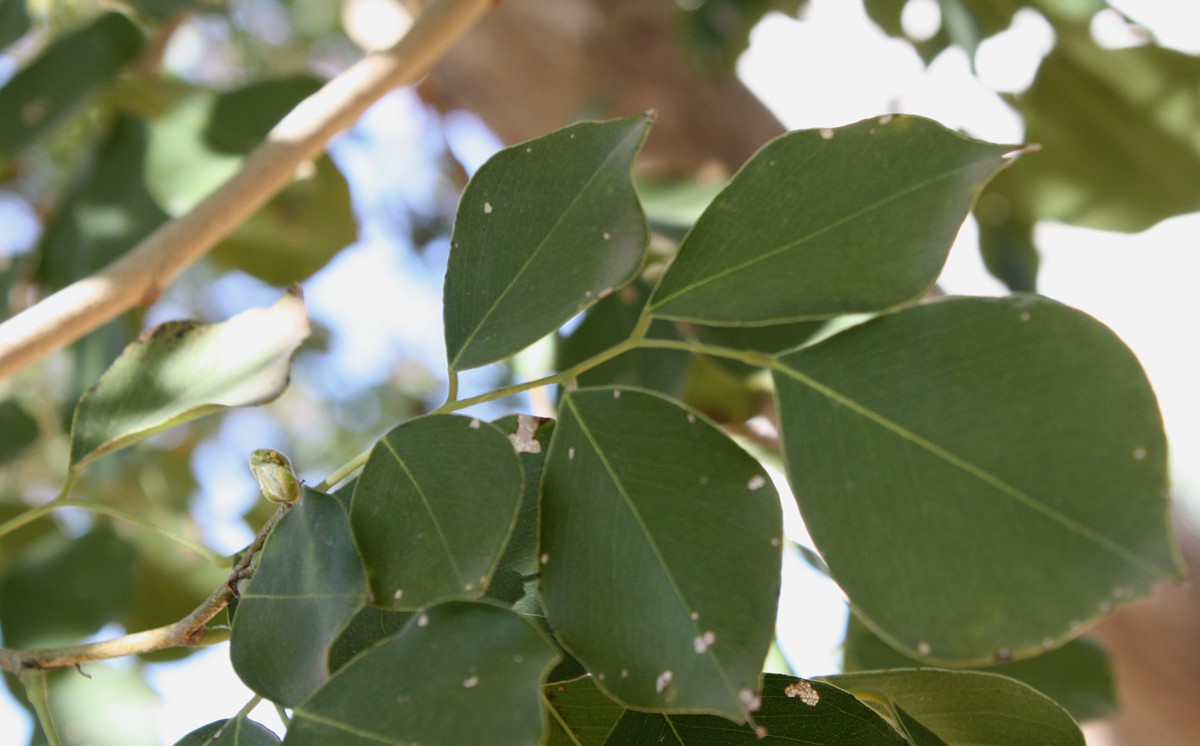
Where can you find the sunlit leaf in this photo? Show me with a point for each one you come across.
(792, 711)
(240, 731)
(982, 476)
(44, 93)
(308, 584)
(660, 552)
(1077, 676)
(182, 370)
(458, 673)
(826, 222)
(967, 707)
(544, 230)
(427, 526)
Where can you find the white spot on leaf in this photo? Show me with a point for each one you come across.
(571, 453)
(774, 541)
(756, 482)
(1139, 453)
(544, 559)
(423, 620)
(923, 648)
(607, 236)
(1025, 316)
(474, 424)
(703, 642)
(691, 417)
(524, 440)
(695, 616)
(487, 208)
(886, 118)
(826, 133)
(470, 681)
(804, 691)
(616, 393)
(399, 594)
(750, 699)
(663, 681)
(624, 673)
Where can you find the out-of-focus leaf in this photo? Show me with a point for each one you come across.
(242, 118)
(41, 95)
(239, 731)
(105, 213)
(108, 707)
(181, 169)
(427, 526)
(63, 590)
(544, 230)
(716, 32)
(297, 232)
(458, 673)
(308, 584)
(673, 207)
(182, 370)
(1077, 675)
(367, 627)
(660, 552)
(18, 430)
(938, 502)
(792, 711)
(1006, 243)
(967, 707)
(14, 21)
(826, 222)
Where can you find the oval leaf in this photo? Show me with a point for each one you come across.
(239, 731)
(49, 89)
(966, 707)
(827, 222)
(434, 508)
(544, 229)
(660, 552)
(793, 711)
(458, 673)
(182, 370)
(982, 476)
(308, 584)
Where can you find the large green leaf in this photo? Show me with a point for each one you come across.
(106, 211)
(982, 476)
(458, 673)
(182, 370)
(62, 590)
(44, 93)
(826, 222)
(239, 731)
(1077, 676)
(308, 584)
(660, 552)
(793, 711)
(966, 707)
(433, 509)
(367, 627)
(544, 229)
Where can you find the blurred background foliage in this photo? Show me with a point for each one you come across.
(116, 117)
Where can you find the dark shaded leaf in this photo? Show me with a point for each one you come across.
(239, 731)
(18, 430)
(242, 118)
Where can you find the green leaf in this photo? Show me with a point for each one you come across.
(109, 707)
(14, 21)
(44, 93)
(826, 222)
(18, 430)
(793, 711)
(458, 673)
(106, 212)
(308, 584)
(242, 118)
(63, 590)
(544, 230)
(182, 370)
(433, 509)
(646, 577)
(240, 731)
(181, 169)
(946, 456)
(967, 707)
(365, 628)
(1077, 676)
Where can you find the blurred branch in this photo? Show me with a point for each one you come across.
(187, 632)
(140, 275)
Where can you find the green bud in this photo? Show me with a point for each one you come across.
(275, 476)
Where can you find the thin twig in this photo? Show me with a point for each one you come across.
(140, 275)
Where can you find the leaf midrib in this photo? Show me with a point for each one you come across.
(428, 509)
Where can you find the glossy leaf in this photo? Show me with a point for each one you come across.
(63, 590)
(660, 552)
(308, 584)
(44, 93)
(240, 731)
(182, 370)
(544, 229)
(946, 455)
(458, 673)
(1077, 676)
(427, 527)
(826, 222)
(967, 707)
(106, 211)
(825, 715)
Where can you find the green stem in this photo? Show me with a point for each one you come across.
(749, 357)
(249, 707)
(34, 682)
(343, 471)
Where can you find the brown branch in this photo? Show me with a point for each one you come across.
(187, 632)
(141, 274)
